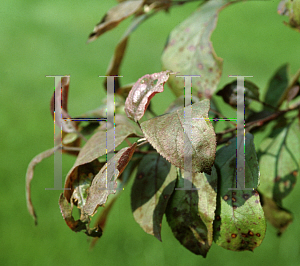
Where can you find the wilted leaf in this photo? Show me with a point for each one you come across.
(116, 61)
(100, 189)
(279, 162)
(151, 190)
(142, 92)
(95, 148)
(229, 93)
(76, 226)
(29, 175)
(279, 217)
(240, 222)
(166, 134)
(114, 16)
(190, 51)
(190, 213)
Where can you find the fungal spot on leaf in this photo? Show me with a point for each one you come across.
(228, 241)
(250, 233)
(233, 199)
(255, 193)
(233, 193)
(246, 196)
(225, 197)
(295, 173)
(244, 235)
(234, 207)
(257, 234)
(233, 235)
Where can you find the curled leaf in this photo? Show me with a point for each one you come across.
(190, 213)
(100, 188)
(151, 190)
(114, 16)
(29, 175)
(142, 92)
(190, 51)
(166, 134)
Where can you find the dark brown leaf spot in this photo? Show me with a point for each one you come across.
(225, 197)
(233, 199)
(233, 235)
(250, 233)
(246, 196)
(228, 240)
(244, 235)
(257, 234)
(234, 207)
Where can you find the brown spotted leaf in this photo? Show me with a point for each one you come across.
(29, 175)
(104, 182)
(190, 51)
(166, 134)
(114, 16)
(95, 148)
(240, 223)
(190, 213)
(142, 92)
(279, 162)
(151, 190)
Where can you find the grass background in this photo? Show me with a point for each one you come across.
(41, 38)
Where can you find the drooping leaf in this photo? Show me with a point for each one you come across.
(166, 134)
(151, 190)
(190, 213)
(279, 162)
(114, 16)
(95, 148)
(116, 61)
(190, 51)
(29, 175)
(279, 217)
(142, 92)
(277, 86)
(100, 188)
(229, 93)
(78, 225)
(240, 222)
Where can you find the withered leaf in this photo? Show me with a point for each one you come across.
(114, 16)
(29, 175)
(101, 185)
(142, 92)
(166, 134)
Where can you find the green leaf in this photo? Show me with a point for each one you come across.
(240, 222)
(190, 213)
(279, 162)
(229, 93)
(142, 92)
(166, 134)
(151, 190)
(190, 51)
(277, 86)
(100, 189)
(279, 217)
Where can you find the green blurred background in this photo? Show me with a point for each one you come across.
(41, 38)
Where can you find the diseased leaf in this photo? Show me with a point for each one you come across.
(190, 213)
(290, 8)
(279, 162)
(142, 92)
(151, 190)
(100, 188)
(166, 134)
(240, 222)
(95, 148)
(279, 217)
(114, 16)
(229, 93)
(29, 175)
(190, 51)
(116, 61)
(78, 225)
